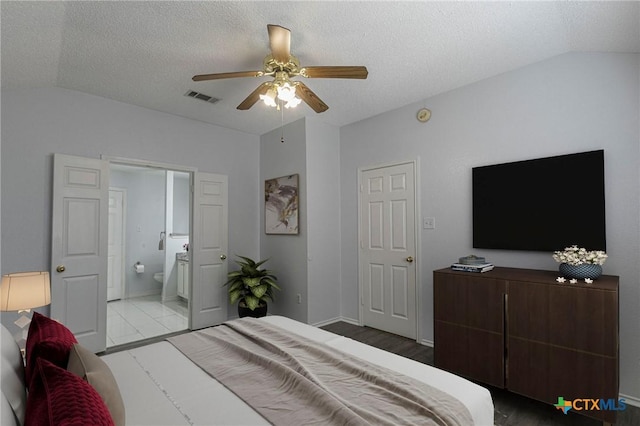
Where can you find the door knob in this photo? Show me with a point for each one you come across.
(223, 256)
(60, 268)
(410, 259)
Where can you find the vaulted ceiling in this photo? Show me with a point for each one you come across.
(145, 53)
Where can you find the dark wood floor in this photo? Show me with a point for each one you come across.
(510, 409)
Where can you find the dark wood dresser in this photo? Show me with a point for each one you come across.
(520, 330)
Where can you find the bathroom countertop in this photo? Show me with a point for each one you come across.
(184, 256)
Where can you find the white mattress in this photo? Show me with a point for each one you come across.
(160, 386)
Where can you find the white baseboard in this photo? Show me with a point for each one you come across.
(350, 320)
(630, 400)
(144, 294)
(425, 342)
(334, 320)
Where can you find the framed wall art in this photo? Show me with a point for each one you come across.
(281, 205)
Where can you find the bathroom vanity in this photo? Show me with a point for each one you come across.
(183, 274)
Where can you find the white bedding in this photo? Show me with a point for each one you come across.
(162, 387)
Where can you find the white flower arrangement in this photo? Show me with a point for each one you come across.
(578, 256)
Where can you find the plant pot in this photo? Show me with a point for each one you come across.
(259, 312)
(586, 270)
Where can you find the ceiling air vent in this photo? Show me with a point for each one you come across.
(202, 97)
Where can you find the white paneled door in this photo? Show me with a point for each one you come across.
(209, 257)
(80, 255)
(115, 274)
(79, 248)
(388, 248)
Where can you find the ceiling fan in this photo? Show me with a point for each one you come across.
(282, 65)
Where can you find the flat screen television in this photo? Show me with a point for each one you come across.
(545, 204)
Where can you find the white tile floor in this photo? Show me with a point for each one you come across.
(130, 320)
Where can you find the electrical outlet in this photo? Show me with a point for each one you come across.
(299, 298)
(429, 223)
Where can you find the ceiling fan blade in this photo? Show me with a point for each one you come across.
(204, 77)
(304, 93)
(279, 42)
(335, 72)
(254, 96)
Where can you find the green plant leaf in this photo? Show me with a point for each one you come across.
(271, 283)
(252, 302)
(251, 281)
(248, 261)
(259, 291)
(260, 263)
(234, 296)
(247, 271)
(237, 285)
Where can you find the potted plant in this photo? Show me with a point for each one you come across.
(580, 263)
(251, 287)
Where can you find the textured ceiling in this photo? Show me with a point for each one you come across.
(145, 53)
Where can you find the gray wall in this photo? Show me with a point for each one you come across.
(323, 220)
(38, 122)
(571, 103)
(181, 202)
(144, 220)
(308, 263)
(287, 253)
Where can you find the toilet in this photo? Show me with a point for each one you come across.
(159, 276)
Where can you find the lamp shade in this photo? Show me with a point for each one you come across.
(24, 290)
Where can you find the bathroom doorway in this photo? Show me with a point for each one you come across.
(148, 267)
(79, 225)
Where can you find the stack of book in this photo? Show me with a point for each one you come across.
(482, 267)
(472, 263)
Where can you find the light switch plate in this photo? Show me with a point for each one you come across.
(429, 223)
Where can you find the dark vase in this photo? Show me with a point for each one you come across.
(586, 270)
(259, 312)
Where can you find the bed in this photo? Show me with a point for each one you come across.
(159, 385)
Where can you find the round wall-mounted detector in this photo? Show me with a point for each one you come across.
(423, 115)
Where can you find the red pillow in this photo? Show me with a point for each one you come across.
(58, 397)
(48, 339)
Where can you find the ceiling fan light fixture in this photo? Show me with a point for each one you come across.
(286, 91)
(293, 102)
(269, 98)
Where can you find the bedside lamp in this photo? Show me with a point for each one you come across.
(23, 291)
